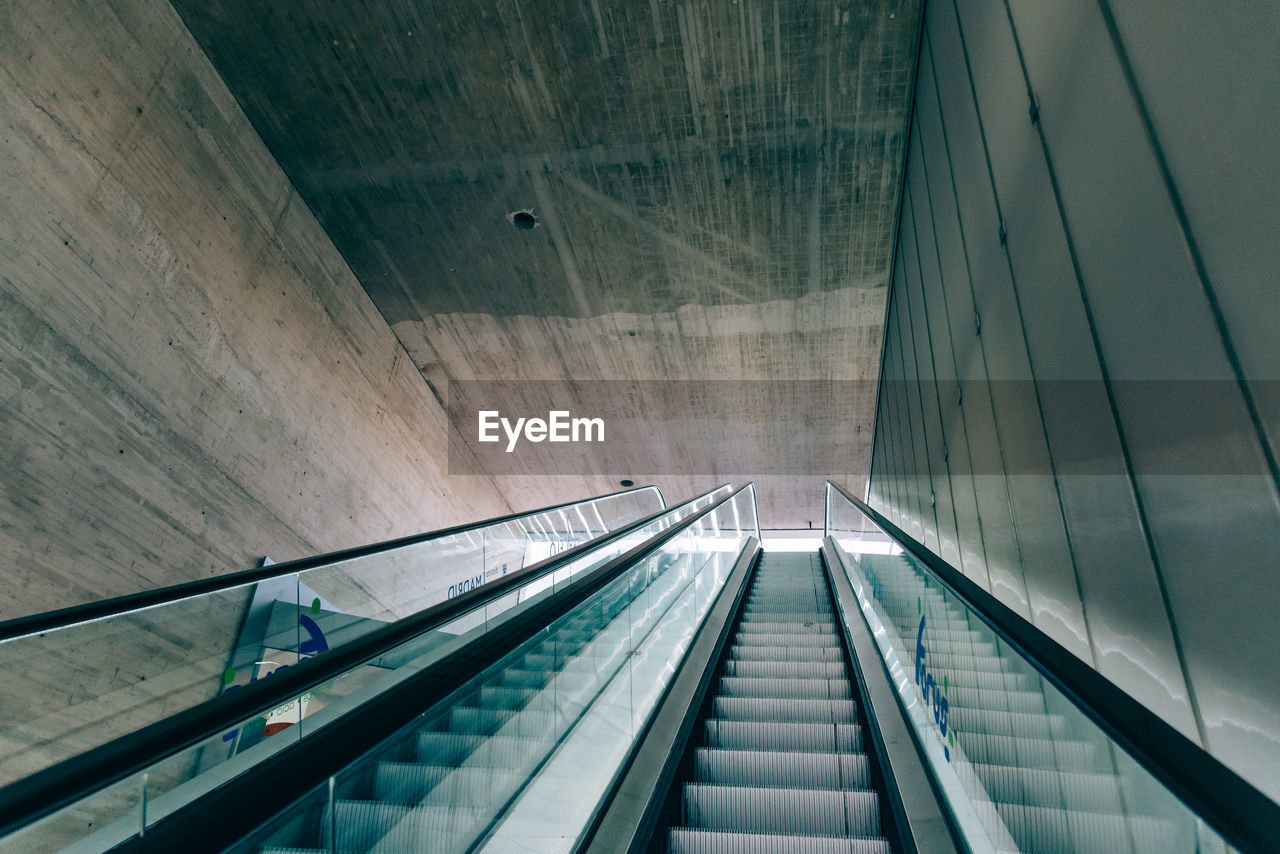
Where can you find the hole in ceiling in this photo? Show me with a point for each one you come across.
(627, 482)
(524, 220)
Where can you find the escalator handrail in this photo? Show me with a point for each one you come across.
(50, 789)
(629, 812)
(69, 616)
(1235, 809)
(301, 765)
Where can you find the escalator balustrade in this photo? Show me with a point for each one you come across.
(1052, 789)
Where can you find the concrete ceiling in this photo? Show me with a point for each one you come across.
(715, 185)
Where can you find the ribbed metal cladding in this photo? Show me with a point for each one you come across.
(779, 765)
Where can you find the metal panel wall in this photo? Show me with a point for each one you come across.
(1080, 411)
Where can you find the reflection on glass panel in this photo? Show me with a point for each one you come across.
(1020, 766)
(557, 714)
(315, 812)
(89, 682)
(107, 677)
(667, 597)
(327, 703)
(118, 807)
(291, 630)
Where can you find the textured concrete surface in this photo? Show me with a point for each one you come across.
(714, 184)
(190, 375)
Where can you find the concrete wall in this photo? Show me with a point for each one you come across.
(190, 375)
(1078, 403)
(715, 185)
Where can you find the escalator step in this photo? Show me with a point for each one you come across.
(541, 662)
(805, 588)
(1074, 790)
(773, 610)
(454, 748)
(447, 748)
(807, 639)
(786, 628)
(500, 697)
(990, 749)
(411, 783)
(816, 689)
(760, 768)
(767, 709)
(490, 721)
(947, 662)
(362, 825)
(785, 669)
(686, 841)
(988, 681)
(515, 678)
(811, 812)
(561, 684)
(948, 627)
(774, 735)
(960, 649)
(1017, 724)
(794, 653)
(1057, 831)
(786, 600)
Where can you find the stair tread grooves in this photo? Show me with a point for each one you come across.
(1089, 814)
(790, 736)
(780, 755)
(778, 687)
(1082, 832)
(771, 669)
(784, 709)
(799, 653)
(821, 812)
(799, 790)
(687, 840)
(780, 769)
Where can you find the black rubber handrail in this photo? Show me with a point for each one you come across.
(73, 779)
(223, 816)
(1245, 817)
(64, 617)
(627, 816)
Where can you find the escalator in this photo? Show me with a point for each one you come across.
(669, 687)
(450, 726)
(1028, 748)
(779, 764)
(487, 767)
(231, 672)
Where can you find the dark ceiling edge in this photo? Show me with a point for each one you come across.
(431, 389)
(893, 251)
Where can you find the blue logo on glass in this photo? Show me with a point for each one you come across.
(934, 694)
